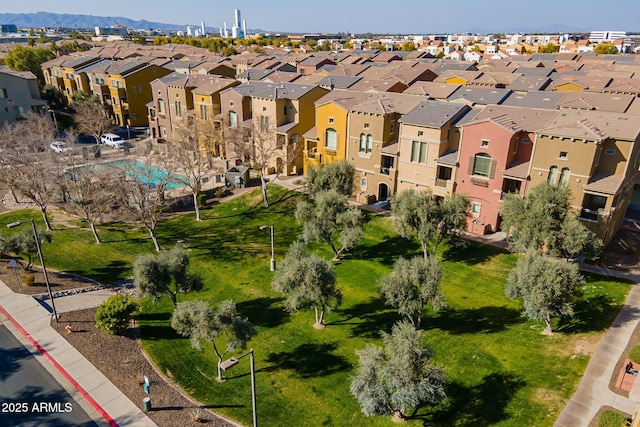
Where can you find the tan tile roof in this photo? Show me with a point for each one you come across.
(609, 184)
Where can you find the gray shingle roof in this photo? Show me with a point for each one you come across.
(434, 114)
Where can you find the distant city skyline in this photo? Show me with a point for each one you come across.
(376, 16)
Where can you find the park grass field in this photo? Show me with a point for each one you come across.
(502, 369)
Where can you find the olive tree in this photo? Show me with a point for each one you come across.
(164, 273)
(397, 377)
(412, 285)
(546, 287)
(307, 279)
(222, 327)
(421, 215)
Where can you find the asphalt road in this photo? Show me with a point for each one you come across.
(29, 395)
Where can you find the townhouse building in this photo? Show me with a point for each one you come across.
(327, 141)
(596, 154)
(428, 145)
(19, 94)
(177, 96)
(130, 90)
(272, 118)
(494, 159)
(373, 147)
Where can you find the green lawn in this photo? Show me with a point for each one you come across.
(503, 371)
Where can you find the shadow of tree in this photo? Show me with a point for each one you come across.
(264, 312)
(481, 405)
(9, 360)
(309, 360)
(487, 319)
(471, 252)
(388, 250)
(108, 273)
(593, 314)
(155, 326)
(367, 319)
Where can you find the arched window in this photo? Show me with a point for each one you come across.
(369, 143)
(553, 175)
(564, 177)
(331, 138)
(363, 184)
(363, 143)
(482, 165)
(161, 106)
(233, 119)
(179, 108)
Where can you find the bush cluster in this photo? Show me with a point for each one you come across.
(113, 315)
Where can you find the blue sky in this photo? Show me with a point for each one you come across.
(378, 16)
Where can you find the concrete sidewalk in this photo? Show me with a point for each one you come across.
(593, 391)
(32, 319)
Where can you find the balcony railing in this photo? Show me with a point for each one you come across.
(384, 171)
(589, 214)
(441, 182)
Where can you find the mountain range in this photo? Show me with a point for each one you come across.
(65, 20)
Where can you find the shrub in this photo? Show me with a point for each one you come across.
(634, 353)
(113, 315)
(220, 192)
(28, 279)
(202, 200)
(611, 418)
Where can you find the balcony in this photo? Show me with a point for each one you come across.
(590, 215)
(384, 171)
(441, 182)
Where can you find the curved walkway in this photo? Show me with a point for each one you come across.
(593, 391)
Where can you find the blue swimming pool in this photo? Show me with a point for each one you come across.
(142, 172)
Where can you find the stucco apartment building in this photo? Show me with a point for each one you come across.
(18, 95)
(273, 117)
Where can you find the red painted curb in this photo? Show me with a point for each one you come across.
(62, 371)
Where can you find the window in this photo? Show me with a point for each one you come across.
(418, 151)
(553, 175)
(19, 111)
(482, 165)
(393, 127)
(178, 108)
(264, 109)
(563, 155)
(115, 101)
(610, 152)
(475, 209)
(233, 119)
(135, 90)
(484, 143)
(366, 125)
(526, 141)
(420, 133)
(331, 139)
(203, 112)
(230, 103)
(264, 123)
(564, 177)
(160, 106)
(363, 184)
(363, 143)
(3, 93)
(369, 143)
(331, 120)
(134, 116)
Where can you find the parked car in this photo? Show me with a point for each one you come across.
(60, 147)
(112, 140)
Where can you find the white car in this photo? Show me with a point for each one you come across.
(112, 140)
(60, 147)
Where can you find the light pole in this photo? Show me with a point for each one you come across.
(272, 264)
(55, 121)
(44, 268)
(233, 361)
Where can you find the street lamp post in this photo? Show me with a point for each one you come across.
(233, 361)
(272, 264)
(44, 268)
(55, 121)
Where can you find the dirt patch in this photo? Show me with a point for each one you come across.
(550, 399)
(121, 360)
(584, 345)
(59, 281)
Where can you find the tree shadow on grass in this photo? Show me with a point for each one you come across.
(107, 274)
(387, 251)
(155, 326)
(593, 314)
(264, 312)
(483, 404)
(487, 319)
(309, 360)
(367, 319)
(471, 252)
